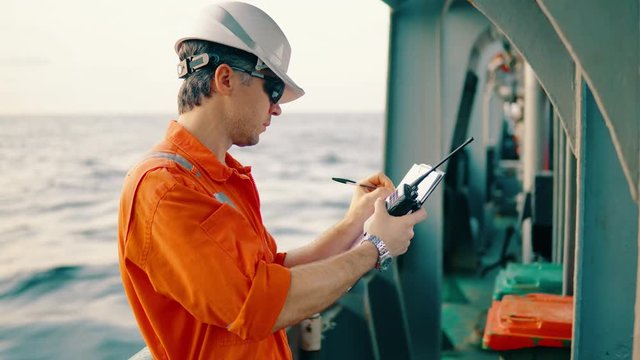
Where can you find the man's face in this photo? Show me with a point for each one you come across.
(253, 111)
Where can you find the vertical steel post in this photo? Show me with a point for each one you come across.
(534, 136)
(569, 228)
(559, 177)
(413, 134)
(606, 250)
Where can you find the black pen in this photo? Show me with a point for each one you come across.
(351, 182)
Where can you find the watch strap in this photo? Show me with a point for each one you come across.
(384, 258)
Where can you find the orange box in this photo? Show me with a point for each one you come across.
(527, 321)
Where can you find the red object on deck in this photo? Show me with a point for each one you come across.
(527, 321)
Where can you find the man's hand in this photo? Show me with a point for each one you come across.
(316, 285)
(395, 231)
(362, 200)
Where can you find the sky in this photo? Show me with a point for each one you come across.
(116, 57)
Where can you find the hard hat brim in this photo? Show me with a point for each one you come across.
(291, 91)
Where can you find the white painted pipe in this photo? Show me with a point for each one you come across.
(533, 148)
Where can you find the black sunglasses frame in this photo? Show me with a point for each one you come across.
(273, 85)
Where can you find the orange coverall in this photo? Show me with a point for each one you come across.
(201, 272)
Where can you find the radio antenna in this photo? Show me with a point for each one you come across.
(424, 176)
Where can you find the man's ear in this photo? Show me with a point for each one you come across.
(221, 80)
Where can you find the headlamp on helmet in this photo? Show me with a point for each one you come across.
(195, 63)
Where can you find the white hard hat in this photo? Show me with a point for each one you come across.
(245, 27)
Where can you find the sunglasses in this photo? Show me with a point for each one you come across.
(273, 85)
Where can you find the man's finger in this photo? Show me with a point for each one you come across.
(381, 192)
(380, 205)
(417, 216)
(385, 181)
(379, 180)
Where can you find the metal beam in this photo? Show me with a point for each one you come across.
(603, 39)
(461, 27)
(394, 4)
(524, 24)
(569, 223)
(399, 4)
(533, 147)
(559, 176)
(636, 327)
(468, 44)
(535, 133)
(606, 256)
(414, 135)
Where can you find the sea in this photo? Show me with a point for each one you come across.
(61, 295)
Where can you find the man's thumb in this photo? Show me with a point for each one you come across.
(380, 205)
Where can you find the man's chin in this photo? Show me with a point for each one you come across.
(248, 142)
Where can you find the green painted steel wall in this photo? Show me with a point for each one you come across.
(603, 37)
(414, 135)
(606, 245)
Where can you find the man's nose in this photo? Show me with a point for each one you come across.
(275, 109)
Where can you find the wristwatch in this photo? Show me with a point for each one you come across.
(384, 257)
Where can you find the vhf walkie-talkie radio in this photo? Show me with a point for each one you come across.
(405, 198)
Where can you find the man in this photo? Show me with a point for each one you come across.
(201, 272)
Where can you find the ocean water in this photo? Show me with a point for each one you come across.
(60, 178)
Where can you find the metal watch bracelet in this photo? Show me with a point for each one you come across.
(384, 258)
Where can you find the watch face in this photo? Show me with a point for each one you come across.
(385, 263)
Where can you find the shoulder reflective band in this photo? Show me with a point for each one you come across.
(175, 157)
(224, 199)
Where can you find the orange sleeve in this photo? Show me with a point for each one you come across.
(257, 318)
(206, 256)
(279, 258)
